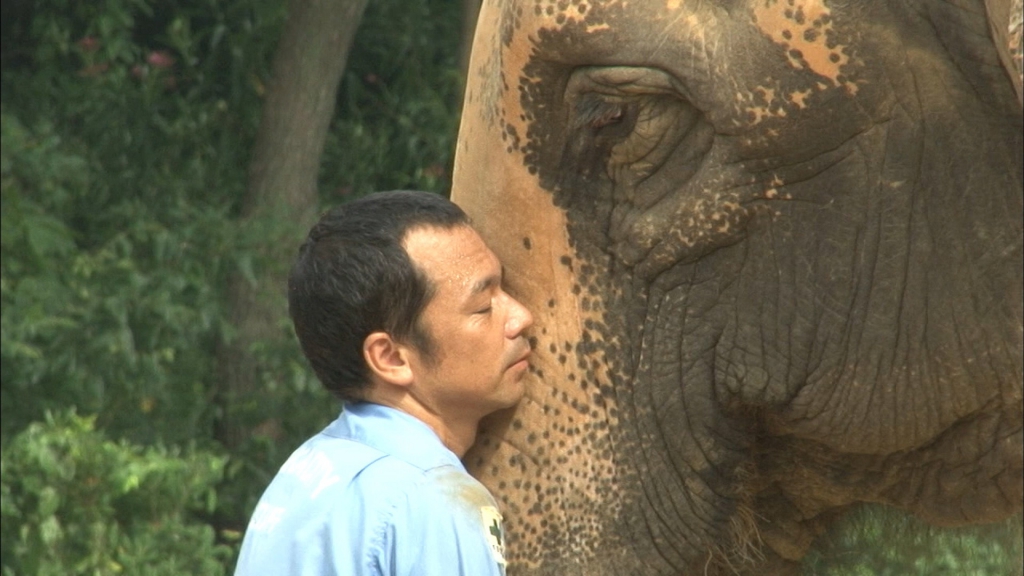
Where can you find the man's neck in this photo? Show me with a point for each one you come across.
(456, 434)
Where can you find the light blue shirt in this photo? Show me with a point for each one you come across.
(376, 493)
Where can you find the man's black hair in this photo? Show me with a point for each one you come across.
(353, 277)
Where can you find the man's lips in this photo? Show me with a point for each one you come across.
(522, 357)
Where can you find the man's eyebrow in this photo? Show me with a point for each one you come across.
(489, 282)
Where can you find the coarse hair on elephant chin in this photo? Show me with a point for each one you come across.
(744, 546)
(744, 543)
(745, 539)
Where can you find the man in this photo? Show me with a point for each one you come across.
(399, 307)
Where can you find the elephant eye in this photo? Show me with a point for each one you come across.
(625, 123)
(608, 120)
(600, 113)
(610, 115)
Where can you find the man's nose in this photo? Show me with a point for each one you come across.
(519, 318)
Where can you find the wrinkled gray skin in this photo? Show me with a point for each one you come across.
(773, 250)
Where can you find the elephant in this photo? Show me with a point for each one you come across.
(773, 250)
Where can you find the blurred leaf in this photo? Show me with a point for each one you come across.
(76, 503)
(878, 541)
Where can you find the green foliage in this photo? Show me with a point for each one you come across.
(127, 127)
(75, 503)
(125, 142)
(110, 321)
(126, 133)
(877, 541)
(398, 103)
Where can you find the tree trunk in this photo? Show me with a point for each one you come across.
(282, 186)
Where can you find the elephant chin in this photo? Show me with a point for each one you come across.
(773, 253)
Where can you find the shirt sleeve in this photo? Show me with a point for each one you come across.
(445, 525)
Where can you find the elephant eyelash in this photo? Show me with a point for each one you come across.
(606, 118)
(612, 115)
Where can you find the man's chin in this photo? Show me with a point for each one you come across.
(514, 391)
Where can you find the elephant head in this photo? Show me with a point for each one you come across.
(773, 250)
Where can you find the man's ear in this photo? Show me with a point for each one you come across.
(387, 359)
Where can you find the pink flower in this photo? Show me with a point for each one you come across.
(89, 44)
(434, 171)
(95, 69)
(160, 59)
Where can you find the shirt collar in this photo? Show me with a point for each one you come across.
(393, 432)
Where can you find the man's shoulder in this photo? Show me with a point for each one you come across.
(448, 507)
(325, 454)
(336, 482)
(456, 482)
(394, 432)
(358, 462)
(445, 492)
(369, 467)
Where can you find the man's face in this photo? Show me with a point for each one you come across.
(480, 351)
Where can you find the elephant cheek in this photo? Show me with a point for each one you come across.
(539, 458)
(549, 459)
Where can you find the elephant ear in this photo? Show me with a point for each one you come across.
(1004, 20)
